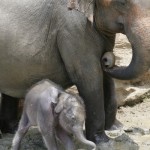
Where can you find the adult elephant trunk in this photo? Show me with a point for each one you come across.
(138, 34)
(81, 138)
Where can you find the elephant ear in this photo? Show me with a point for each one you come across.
(84, 6)
(61, 102)
(53, 95)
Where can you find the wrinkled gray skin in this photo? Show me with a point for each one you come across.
(132, 17)
(55, 113)
(43, 39)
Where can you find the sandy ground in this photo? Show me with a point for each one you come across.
(136, 121)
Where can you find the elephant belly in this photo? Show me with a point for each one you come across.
(17, 76)
(28, 50)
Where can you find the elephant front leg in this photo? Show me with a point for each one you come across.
(95, 114)
(89, 81)
(8, 114)
(65, 138)
(111, 122)
(46, 125)
(81, 60)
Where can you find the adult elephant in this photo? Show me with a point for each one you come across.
(42, 39)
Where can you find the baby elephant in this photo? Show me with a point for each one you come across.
(56, 113)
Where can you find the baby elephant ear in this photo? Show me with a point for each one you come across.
(54, 94)
(72, 4)
(60, 105)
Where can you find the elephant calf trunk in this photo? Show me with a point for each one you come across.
(81, 138)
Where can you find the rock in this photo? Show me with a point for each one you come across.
(122, 142)
(5, 142)
(128, 94)
(115, 133)
(137, 130)
(33, 141)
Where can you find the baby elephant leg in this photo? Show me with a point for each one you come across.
(46, 127)
(65, 139)
(49, 140)
(23, 128)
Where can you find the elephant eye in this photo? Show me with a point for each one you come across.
(73, 118)
(70, 114)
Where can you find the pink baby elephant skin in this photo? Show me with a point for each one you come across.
(55, 113)
(44, 39)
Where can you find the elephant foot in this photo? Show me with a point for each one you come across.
(101, 138)
(116, 126)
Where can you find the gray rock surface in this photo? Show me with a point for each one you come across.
(33, 141)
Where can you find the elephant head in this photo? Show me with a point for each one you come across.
(71, 111)
(130, 17)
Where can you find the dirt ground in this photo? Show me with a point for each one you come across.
(136, 121)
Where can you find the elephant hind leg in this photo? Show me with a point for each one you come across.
(46, 125)
(110, 102)
(111, 123)
(8, 114)
(22, 129)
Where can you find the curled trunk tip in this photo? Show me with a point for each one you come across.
(81, 138)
